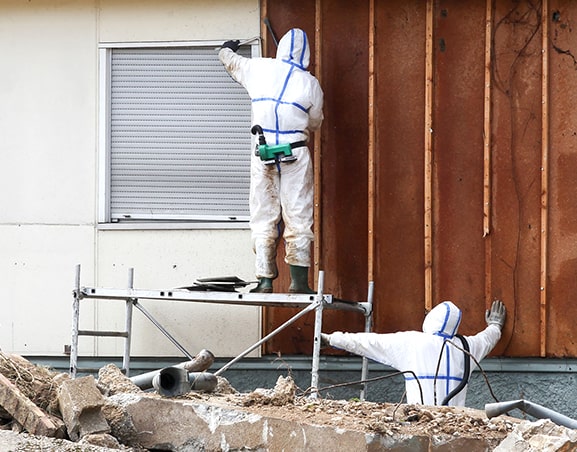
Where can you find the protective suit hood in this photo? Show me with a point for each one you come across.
(443, 320)
(294, 49)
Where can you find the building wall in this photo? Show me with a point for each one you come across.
(404, 60)
(445, 164)
(49, 90)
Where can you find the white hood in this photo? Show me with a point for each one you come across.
(294, 48)
(443, 320)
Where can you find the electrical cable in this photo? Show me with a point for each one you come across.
(368, 380)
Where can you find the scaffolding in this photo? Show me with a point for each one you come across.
(317, 302)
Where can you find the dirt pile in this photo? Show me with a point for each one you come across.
(383, 418)
(42, 386)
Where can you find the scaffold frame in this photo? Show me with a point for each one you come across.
(131, 296)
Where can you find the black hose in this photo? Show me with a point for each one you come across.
(261, 139)
(256, 129)
(466, 372)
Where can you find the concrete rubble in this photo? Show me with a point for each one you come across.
(542, 435)
(81, 406)
(32, 418)
(111, 413)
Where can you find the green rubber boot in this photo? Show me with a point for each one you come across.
(299, 280)
(264, 286)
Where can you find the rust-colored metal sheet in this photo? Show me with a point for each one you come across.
(458, 242)
(343, 165)
(562, 228)
(487, 145)
(298, 339)
(399, 165)
(516, 172)
(344, 161)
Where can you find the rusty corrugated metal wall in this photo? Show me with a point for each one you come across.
(446, 164)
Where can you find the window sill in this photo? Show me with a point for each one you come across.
(167, 225)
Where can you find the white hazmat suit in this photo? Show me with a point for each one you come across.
(419, 352)
(287, 103)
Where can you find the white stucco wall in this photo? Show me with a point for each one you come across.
(48, 208)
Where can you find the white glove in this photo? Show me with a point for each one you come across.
(497, 314)
(325, 340)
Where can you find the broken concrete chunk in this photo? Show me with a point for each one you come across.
(26, 413)
(120, 422)
(282, 394)
(542, 435)
(81, 407)
(37, 383)
(112, 381)
(100, 440)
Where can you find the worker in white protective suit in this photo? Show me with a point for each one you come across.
(429, 355)
(287, 104)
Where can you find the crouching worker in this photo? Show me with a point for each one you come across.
(430, 356)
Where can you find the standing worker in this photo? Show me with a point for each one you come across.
(287, 106)
(427, 354)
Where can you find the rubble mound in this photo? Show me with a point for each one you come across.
(39, 384)
(283, 394)
(381, 418)
(44, 395)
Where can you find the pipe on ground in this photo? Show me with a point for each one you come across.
(538, 411)
(174, 381)
(201, 362)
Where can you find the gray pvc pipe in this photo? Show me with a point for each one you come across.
(171, 381)
(202, 381)
(201, 362)
(538, 411)
(174, 381)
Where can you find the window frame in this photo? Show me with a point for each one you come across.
(104, 215)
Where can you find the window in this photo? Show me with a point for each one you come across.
(175, 135)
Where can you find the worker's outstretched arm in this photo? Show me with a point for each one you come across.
(387, 349)
(232, 61)
(482, 343)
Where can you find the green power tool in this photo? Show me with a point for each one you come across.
(270, 154)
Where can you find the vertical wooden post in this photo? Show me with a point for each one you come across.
(317, 152)
(544, 175)
(263, 30)
(371, 142)
(428, 226)
(487, 182)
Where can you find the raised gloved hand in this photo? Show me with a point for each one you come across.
(325, 340)
(232, 45)
(497, 314)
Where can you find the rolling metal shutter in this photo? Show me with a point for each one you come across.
(179, 136)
